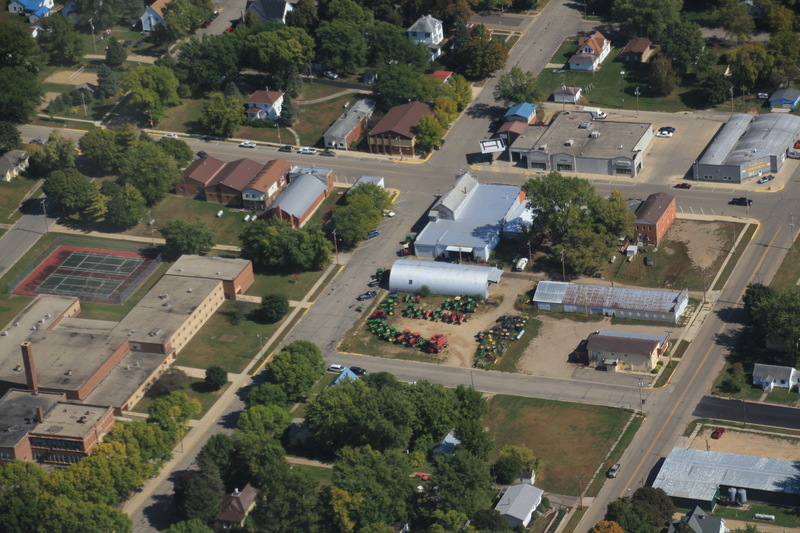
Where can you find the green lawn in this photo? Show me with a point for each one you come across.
(196, 389)
(312, 91)
(784, 516)
(60, 124)
(226, 344)
(226, 228)
(315, 119)
(508, 361)
(11, 195)
(293, 286)
(319, 474)
(743, 243)
(549, 428)
(789, 271)
(122, 34)
(183, 117)
(326, 208)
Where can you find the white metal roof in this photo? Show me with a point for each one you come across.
(519, 500)
(448, 279)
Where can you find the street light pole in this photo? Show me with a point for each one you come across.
(335, 246)
(622, 86)
(641, 401)
(636, 92)
(44, 210)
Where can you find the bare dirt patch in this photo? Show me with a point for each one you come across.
(747, 443)
(702, 240)
(71, 77)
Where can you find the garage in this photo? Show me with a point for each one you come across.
(447, 279)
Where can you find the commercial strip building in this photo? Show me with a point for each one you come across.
(447, 279)
(621, 302)
(747, 146)
(574, 142)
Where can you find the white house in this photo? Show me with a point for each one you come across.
(518, 503)
(265, 105)
(771, 376)
(269, 10)
(567, 95)
(12, 163)
(592, 50)
(429, 31)
(154, 14)
(34, 9)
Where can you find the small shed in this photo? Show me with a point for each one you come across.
(344, 375)
(567, 95)
(447, 445)
(523, 112)
(448, 279)
(518, 503)
(785, 98)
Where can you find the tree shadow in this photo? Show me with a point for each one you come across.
(481, 110)
(161, 513)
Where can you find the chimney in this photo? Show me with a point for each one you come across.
(39, 414)
(30, 368)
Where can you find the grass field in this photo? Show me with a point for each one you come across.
(743, 243)
(326, 208)
(293, 286)
(312, 91)
(183, 117)
(61, 124)
(11, 195)
(319, 474)
(315, 119)
(549, 428)
(196, 390)
(789, 271)
(224, 343)
(784, 517)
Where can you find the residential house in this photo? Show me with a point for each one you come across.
(370, 76)
(12, 163)
(344, 376)
(699, 522)
(33, 9)
(637, 50)
(236, 506)
(155, 14)
(429, 31)
(197, 176)
(308, 187)
(395, 133)
(592, 51)
(634, 351)
(269, 10)
(447, 445)
(227, 186)
(350, 126)
(654, 218)
(567, 95)
(264, 188)
(785, 98)
(518, 503)
(265, 105)
(443, 75)
(523, 112)
(770, 376)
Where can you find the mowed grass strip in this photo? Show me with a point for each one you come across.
(570, 439)
(315, 119)
(789, 271)
(11, 195)
(293, 286)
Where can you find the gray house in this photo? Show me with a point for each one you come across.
(350, 126)
(699, 522)
(770, 376)
(518, 503)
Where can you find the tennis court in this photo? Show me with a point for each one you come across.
(102, 276)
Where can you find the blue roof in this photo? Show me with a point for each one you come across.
(344, 375)
(523, 110)
(42, 11)
(448, 444)
(32, 5)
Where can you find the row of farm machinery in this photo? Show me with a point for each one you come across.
(493, 342)
(450, 311)
(381, 329)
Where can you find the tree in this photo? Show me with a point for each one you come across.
(257, 459)
(304, 15)
(115, 53)
(126, 206)
(513, 460)
(716, 88)
(189, 526)
(435, 408)
(358, 217)
(216, 377)
(489, 520)
(630, 518)
(342, 505)
(644, 18)
(663, 78)
(195, 499)
(265, 420)
(170, 412)
(446, 521)
(288, 505)
(516, 86)
(558, 200)
(465, 484)
(10, 138)
(149, 442)
(683, 43)
(483, 54)
(751, 65)
(296, 368)
(150, 170)
(275, 246)
(606, 526)
(172, 379)
(96, 206)
(341, 45)
(474, 438)
(780, 18)
(273, 308)
(396, 84)
(267, 394)
(69, 188)
(779, 319)
(462, 91)
(656, 504)
(429, 132)
(280, 51)
(60, 41)
(98, 13)
(180, 151)
(755, 296)
(131, 11)
(222, 115)
(18, 48)
(155, 87)
(460, 36)
(187, 238)
(20, 94)
(106, 82)
(445, 110)
(206, 65)
(736, 20)
(288, 112)
(389, 44)
(219, 450)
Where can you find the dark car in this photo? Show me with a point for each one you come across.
(207, 23)
(328, 153)
(139, 44)
(38, 141)
(613, 471)
(201, 154)
(683, 185)
(717, 433)
(366, 296)
(648, 261)
(286, 148)
(667, 128)
(765, 179)
(372, 234)
(358, 371)
(126, 44)
(741, 201)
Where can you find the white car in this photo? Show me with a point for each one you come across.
(389, 214)
(170, 136)
(793, 154)
(330, 74)
(307, 151)
(247, 144)
(664, 133)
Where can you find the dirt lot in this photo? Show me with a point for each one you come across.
(548, 353)
(703, 242)
(747, 443)
(63, 76)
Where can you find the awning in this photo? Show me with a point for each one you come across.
(462, 249)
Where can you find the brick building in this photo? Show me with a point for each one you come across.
(654, 217)
(395, 134)
(308, 187)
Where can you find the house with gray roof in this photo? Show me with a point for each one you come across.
(699, 522)
(12, 163)
(269, 10)
(770, 376)
(429, 31)
(632, 350)
(350, 126)
(308, 187)
(785, 98)
(518, 503)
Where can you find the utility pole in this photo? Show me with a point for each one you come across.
(335, 246)
(636, 92)
(641, 401)
(622, 86)
(563, 270)
(44, 210)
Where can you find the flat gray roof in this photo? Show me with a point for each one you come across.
(70, 420)
(125, 378)
(198, 266)
(745, 137)
(568, 127)
(86, 325)
(601, 296)
(697, 474)
(18, 413)
(348, 120)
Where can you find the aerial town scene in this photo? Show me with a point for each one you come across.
(395, 266)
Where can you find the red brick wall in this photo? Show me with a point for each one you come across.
(103, 371)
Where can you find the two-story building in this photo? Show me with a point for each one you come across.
(33, 9)
(265, 187)
(653, 218)
(265, 105)
(430, 32)
(154, 14)
(396, 134)
(592, 51)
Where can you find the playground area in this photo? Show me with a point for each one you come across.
(101, 276)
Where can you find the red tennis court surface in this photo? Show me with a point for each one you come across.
(101, 276)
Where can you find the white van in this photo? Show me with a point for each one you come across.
(336, 368)
(521, 264)
(596, 112)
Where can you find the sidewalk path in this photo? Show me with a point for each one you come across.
(332, 96)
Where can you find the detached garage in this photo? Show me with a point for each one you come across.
(448, 279)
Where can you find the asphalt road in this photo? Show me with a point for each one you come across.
(747, 412)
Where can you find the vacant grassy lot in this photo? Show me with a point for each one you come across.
(549, 428)
(224, 342)
(293, 286)
(789, 271)
(784, 516)
(315, 119)
(11, 195)
(226, 228)
(196, 389)
(312, 91)
(183, 117)
(319, 474)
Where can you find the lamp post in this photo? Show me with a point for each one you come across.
(262, 339)
(150, 116)
(731, 99)
(703, 274)
(641, 401)
(636, 92)
(44, 210)
(622, 86)
(94, 41)
(747, 203)
(335, 246)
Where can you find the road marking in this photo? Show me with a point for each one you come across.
(694, 376)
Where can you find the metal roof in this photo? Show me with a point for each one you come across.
(426, 24)
(745, 137)
(348, 120)
(660, 337)
(774, 371)
(449, 279)
(519, 500)
(790, 94)
(609, 297)
(698, 474)
(301, 193)
(456, 197)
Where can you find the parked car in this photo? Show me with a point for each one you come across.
(373, 233)
(336, 368)
(389, 214)
(667, 128)
(38, 141)
(126, 44)
(286, 148)
(170, 136)
(330, 74)
(366, 296)
(741, 201)
(797, 144)
(201, 154)
(328, 153)
(793, 154)
(247, 144)
(215, 15)
(307, 151)
(683, 185)
(613, 471)
(717, 433)
(358, 371)
(648, 261)
(521, 264)
(664, 133)
(765, 179)
(207, 23)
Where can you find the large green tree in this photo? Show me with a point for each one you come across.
(277, 50)
(644, 18)
(465, 484)
(736, 20)
(20, 94)
(222, 115)
(60, 40)
(126, 205)
(178, 149)
(483, 55)
(154, 87)
(266, 420)
(356, 219)
(106, 82)
(206, 65)
(287, 505)
(512, 460)
(69, 188)
(341, 45)
(558, 201)
(150, 170)
(429, 132)
(273, 308)
(296, 368)
(187, 237)
(389, 44)
(189, 526)
(10, 138)
(115, 53)
(275, 246)
(778, 318)
(663, 78)
(516, 86)
(18, 48)
(396, 84)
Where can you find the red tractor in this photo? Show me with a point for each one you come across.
(437, 343)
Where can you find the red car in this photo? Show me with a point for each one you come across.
(683, 185)
(797, 144)
(207, 23)
(717, 433)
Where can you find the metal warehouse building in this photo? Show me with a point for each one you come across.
(699, 477)
(639, 304)
(448, 279)
(747, 147)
